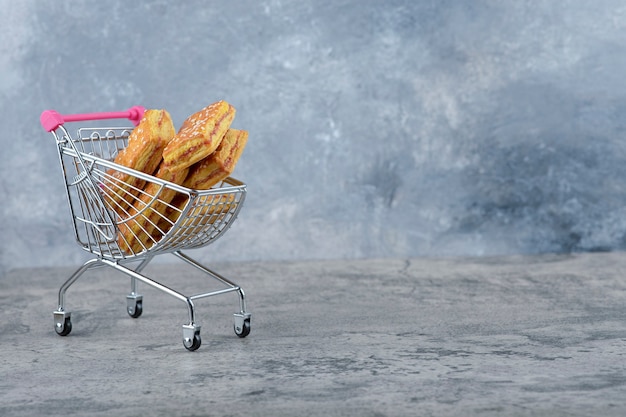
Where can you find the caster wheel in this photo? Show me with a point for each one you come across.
(135, 310)
(65, 329)
(194, 343)
(244, 329)
(134, 305)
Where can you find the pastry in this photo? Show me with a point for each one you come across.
(143, 153)
(150, 208)
(199, 136)
(209, 209)
(205, 210)
(220, 164)
(202, 176)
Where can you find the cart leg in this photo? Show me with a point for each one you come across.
(71, 280)
(134, 300)
(191, 331)
(242, 318)
(62, 318)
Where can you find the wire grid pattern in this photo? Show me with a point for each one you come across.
(137, 223)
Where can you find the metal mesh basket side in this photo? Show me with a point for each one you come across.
(205, 218)
(120, 213)
(104, 143)
(93, 223)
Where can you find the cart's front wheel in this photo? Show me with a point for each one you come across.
(134, 305)
(65, 329)
(193, 343)
(135, 310)
(244, 329)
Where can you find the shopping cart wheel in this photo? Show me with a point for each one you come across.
(62, 323)
(191, 337)
(242, 324)
(134, 305)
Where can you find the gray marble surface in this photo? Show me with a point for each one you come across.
(492, 336)
(396, 128)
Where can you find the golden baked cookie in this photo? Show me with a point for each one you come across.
(220, 164)
(137, 231)
(199, 136)
(205, 210)
(143, 153)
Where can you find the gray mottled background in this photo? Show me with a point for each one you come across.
(377, 128)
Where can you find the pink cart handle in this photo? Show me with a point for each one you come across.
(51, 120)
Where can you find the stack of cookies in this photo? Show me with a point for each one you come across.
(202, 154)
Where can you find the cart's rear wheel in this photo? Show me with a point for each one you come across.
(65, 329)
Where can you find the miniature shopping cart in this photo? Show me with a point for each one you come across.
(198, 217)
